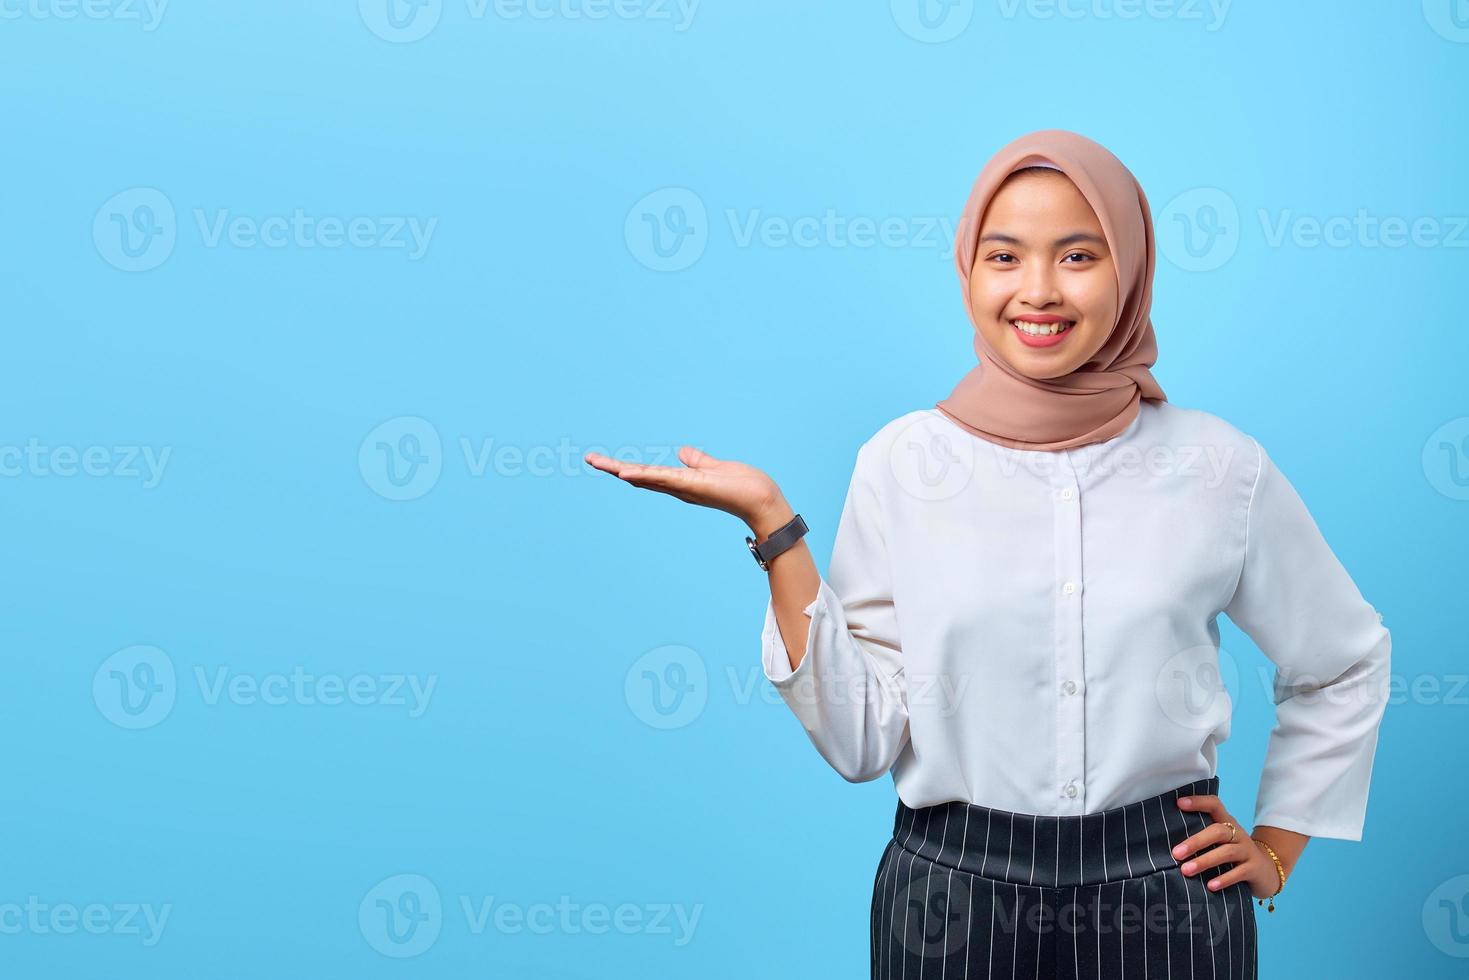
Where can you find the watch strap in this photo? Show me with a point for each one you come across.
(780, 540)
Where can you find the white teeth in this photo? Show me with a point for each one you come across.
(1041, 329)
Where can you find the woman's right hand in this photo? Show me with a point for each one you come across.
(724, 484)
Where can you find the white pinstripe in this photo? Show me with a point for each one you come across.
(1010, 850)
(1034, 823)
(970, 917)
(990, 966)
(1188, 897)
(1099, 932)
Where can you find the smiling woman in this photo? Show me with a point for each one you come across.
(1024, 586)
(1046, 297)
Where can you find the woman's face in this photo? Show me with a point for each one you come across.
(1043, 259)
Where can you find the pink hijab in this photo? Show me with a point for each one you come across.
(1101, 397)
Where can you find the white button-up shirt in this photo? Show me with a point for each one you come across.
(1036, 630)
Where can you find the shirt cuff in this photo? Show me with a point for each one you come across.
(774, 655)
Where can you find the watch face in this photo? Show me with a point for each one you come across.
(750, 542)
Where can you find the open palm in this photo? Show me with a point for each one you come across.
(724, 484)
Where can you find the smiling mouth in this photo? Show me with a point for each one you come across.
(1042, 329)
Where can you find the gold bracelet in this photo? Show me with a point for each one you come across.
(1278, 870)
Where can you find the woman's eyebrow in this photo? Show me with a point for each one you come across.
(1071, 239)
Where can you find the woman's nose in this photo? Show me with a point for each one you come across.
(1039, 286)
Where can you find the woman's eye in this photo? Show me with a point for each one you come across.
(1078, 255)
(1003, 255)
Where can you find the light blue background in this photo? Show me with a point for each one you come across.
(541, 316)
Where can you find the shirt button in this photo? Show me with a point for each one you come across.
(1067, 494)
(1071, 790)
(1069, 687)
(1069, 588)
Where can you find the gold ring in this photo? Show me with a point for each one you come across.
(1232, 831)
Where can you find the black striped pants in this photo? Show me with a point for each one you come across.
(966, 891)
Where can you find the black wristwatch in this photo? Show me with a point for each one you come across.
(780, 540)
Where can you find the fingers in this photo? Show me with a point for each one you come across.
(1238, 856)
(604, 463)
(667, 478)
(1215, 856)
(1206, 840)
(692, 456)
(1203, 803)
(642, 474)
(1211, 807)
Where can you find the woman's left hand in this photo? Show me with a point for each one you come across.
(1211, 847)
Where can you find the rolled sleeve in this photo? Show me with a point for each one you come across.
(848, 691)
(1332, 656)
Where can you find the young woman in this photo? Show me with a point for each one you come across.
(1020, 620)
